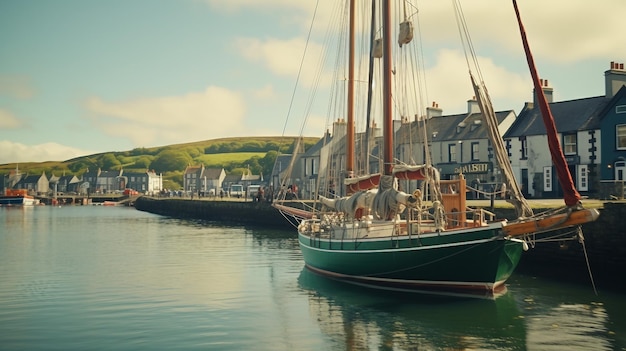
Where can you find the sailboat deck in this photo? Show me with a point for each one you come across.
(334, 226)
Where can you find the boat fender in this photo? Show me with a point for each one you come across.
(524, 243)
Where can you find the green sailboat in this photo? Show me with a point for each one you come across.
(426, 240)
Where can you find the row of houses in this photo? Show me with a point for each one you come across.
(92, 182)
(211, 181)
(592, 133)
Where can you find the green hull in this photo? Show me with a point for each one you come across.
(479, 259)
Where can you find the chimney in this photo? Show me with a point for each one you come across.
(472, 106)
(340, 127)
(433, 111)
(614, 79)
(548, 92)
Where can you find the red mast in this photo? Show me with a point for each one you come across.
(570, 194)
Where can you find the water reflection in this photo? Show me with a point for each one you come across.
(356, 319)
(541, 316)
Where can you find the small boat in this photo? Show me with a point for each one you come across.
(426, 239)
(17, 197)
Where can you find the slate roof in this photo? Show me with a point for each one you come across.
(30, 179)
(212, 173)
(315, 149)
(232, 178)
(569, 116)
(446, 126)
(283, 161)
(109, 174)
(193, 169)
(69, 179)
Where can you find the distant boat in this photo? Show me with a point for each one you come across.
(426, 239)
(17, 197)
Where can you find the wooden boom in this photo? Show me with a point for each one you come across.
(542, 224)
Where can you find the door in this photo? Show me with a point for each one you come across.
(525, 182)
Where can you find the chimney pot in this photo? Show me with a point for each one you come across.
(621, 66)
(612, 64)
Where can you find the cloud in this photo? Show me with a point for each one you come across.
(213, 113)
(283, 57)
(8, 120)
(11, 152)
(450, 84)
(268, 5)
(559, 31)
(265, 93)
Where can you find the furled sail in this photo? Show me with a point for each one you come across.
(570, 194)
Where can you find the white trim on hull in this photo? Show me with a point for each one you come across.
(448, 288)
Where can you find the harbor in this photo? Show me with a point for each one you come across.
(114, 278)
(604, 239)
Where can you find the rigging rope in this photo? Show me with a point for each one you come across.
(522, 207)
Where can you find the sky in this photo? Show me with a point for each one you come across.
(79, 77)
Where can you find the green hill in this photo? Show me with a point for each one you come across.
(233, 154)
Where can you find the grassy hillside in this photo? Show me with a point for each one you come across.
(233, 154)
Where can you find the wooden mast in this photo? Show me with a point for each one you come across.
(350, 112)
(387, 112)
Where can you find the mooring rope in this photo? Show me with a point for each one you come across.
(581, 239)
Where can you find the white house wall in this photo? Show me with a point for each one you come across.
(539, 155)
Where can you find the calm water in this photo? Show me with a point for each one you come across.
(112, 278)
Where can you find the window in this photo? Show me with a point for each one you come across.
(620, 131)
(620, 109)
(524, 149)
(569, 144)
(451, 152)
(547, 178)
(475, 152)
(583, 178)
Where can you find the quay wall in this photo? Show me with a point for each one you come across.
(604, 239)
(233, 212)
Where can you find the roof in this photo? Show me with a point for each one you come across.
(448, 128)
(213, 173)
(31, 179)
(315, 149)
(232, 178)
(68, 179)
(193, 169)
(281, 163)
(109, 174)
(569, 116)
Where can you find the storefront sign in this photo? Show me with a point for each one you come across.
(473, 168)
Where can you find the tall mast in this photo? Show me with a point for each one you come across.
(387, 116)
(350, 126)
(370, 80)
(570, 194)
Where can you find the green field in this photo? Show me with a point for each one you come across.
(217, 160)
